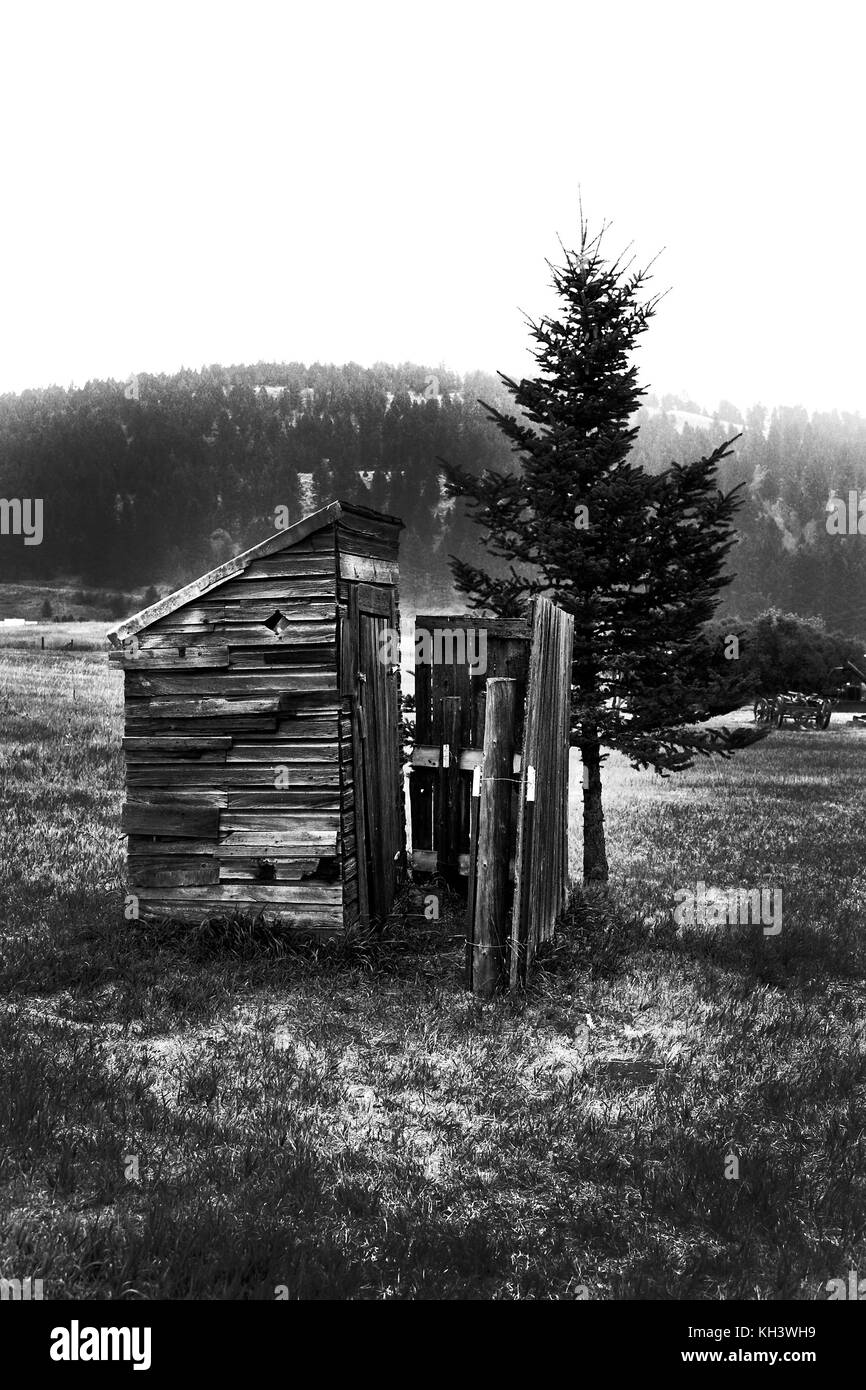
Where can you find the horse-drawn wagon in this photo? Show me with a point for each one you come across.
(812, 710)
(794, 707)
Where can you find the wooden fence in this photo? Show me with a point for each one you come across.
(489, 783)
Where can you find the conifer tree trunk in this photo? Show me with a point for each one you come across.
(595, 868)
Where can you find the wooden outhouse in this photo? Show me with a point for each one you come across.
(262, 736)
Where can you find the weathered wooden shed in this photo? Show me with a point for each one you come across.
(262, 731)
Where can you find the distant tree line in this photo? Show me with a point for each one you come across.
(162, 488)
(157, 490)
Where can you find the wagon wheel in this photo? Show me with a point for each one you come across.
(803, 718)
(761, 712)
(825, 714)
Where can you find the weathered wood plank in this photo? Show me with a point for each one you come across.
(280, 752)
(377, 548)
(362, 533)
(246, 726)
(179, 796)
(378, 602)
(541, 874)
(324, 919)
(307, 799)
(275, 682)
(312, 705)
(170, 775)
(208, 655)
(494, 825)
(202, 743)
(154, 846)
(154, 872)
(301, 713)
(307, 728)
(449, 789)
(292, 827)
(257, 590)
(309, 895)
(256, 636)
(205, 708)
(249, 616)
(367, 569)
(290, 565)
(175, 758)
(262, 656)
(278, 851)
(421, 786)
(161, 639)
(194, 822)
(207, 613)
(256, 608)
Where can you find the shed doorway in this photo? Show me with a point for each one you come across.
(376, 712)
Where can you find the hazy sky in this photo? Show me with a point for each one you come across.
(189, 183)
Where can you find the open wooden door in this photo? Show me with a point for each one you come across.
(541, 858)
(376, 730)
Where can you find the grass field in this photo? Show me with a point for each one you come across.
(348, 1123)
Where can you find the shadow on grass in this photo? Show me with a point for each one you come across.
(598, 935)
(156, 972)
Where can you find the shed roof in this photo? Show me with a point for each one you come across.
(282, 540)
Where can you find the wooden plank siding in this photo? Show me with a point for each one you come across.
(241, 703)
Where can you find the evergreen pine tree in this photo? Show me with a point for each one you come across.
(637, 558)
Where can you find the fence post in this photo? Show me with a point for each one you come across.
(490, 933)
(522, 876)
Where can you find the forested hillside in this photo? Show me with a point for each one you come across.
(156, 490)
(789, 464)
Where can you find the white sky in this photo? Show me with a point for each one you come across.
(189, 183)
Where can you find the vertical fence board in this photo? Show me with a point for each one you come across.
(449, 791)
(490, 934)
(541, 863)
(420, 781)
(474, 807)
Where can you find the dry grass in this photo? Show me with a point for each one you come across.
(346, 1122)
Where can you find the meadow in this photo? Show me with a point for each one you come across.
(221, 1113)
